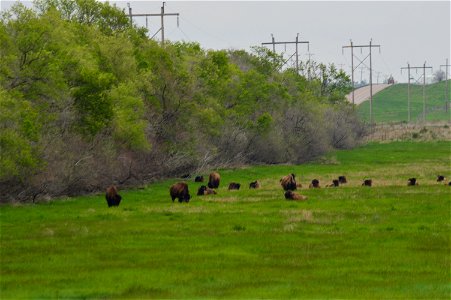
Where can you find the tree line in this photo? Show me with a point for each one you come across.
(87, 99)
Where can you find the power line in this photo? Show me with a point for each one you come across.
(162, 15)
(370, 46)
(297, 42)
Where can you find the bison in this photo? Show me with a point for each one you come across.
(112, 197)
(440, 178)
(290, 195)
(412, 182)
(254, 185)
(342, 179)
(234, 186)
(199, 179)
(335, 183)
(213, 181)
(203, 190)
(288, 182)
(180, 190)
(314, 184)
(367, 182)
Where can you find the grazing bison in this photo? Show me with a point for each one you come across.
(440, 178)
(335, 183)
(288, 182)
(342, 179)
(290, 195)
(254, 185)
(203, 190)
(180, 190)
(314, 184)
(112, 197)
(234, 186)
(199, 179)
(367, 182)
(213, 181)
(412, 182)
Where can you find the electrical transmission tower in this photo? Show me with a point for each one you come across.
(424, 89)
(162, 15)
(297, 42)
(370, 46)
(447, 86)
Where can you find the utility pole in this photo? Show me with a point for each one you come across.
(274, 43)
(371, 71)
(424, 88)
(408, 92)
(309, 65)
(447, 86)
(162, 15)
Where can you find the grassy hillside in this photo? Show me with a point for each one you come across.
(390, 105)
(388, 241)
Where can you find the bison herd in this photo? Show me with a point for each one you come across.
(180, 190)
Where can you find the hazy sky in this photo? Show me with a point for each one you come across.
(408, 31)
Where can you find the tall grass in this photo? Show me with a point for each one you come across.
(388, 241)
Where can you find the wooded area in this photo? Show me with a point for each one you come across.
(87, 100)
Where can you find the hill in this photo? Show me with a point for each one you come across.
(390, 105)
(387, 241)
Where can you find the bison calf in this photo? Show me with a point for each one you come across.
(112, 197)
(203, 190)
(288, 182)
(213, 181)
(290, 195)
(234, 186)
(199, 179)
(180, 190)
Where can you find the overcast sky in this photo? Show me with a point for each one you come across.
(408, 31)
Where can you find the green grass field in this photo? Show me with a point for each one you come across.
(390, 105)
(388, 241)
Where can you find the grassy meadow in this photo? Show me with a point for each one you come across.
(388, 241)
(390, 105)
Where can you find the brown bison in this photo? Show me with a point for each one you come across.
(412, 182)
(440, 178)
(290, 195)
(254, 185)
(367, 182)
(213, 181)
(288, 182)
(112, 197)
(342, 179)
(203, 190)
(234, 186)
(335, 183)
(180, 190)
(314, 184)
(199, 179)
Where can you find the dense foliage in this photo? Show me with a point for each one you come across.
(86, 99)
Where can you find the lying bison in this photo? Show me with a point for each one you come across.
(342, 179)
(290, 195)
(367, 182)
(440, 178)
(180, 190)
(203, 190)
(254, 185)
(213, 181)
(412, 182)
(335, 183)
(199, 179)
(288, 182)
(234, 186)
(112, 197)
(314, 184)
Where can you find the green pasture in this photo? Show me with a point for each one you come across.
(390, 105)
(388, 241)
